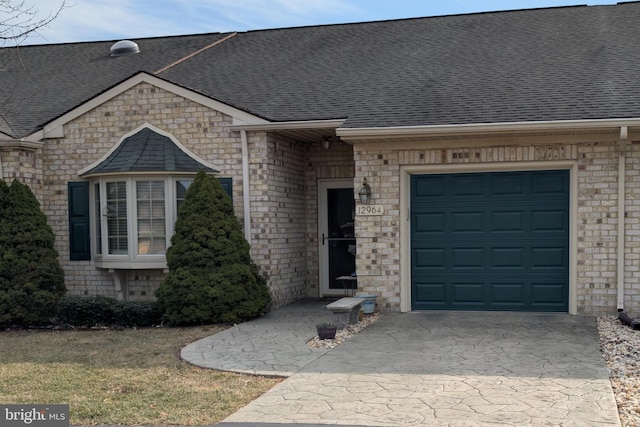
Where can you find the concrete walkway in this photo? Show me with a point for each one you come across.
(428, 368)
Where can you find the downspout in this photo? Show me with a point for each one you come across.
(624, 135)
(245, 186)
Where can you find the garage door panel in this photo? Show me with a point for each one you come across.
(431, 294)
(431, 187)
(549, 295)
(467, 185)
(510, 221)
(467, 222)
(467, 258)
(491, 241)
(468, 294)
(507, 258)
(430, 222)
(430, 259)
(550, 183)
(507, 184)
(544, 258)
(549, 220)
(508, 294)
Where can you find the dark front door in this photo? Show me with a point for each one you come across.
(337, 238)
(490, 241)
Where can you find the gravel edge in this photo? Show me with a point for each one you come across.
(620, 347)
(344, 334)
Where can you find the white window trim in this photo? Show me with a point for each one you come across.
(133, 259)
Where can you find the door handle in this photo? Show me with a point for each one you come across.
(322, 239)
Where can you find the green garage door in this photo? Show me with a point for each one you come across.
(490, 241)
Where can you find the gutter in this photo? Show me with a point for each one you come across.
(245, 186)
(20, 143)
(408, 131)
(292, 125)
(624, 138)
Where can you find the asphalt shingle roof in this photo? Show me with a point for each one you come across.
(531, 65)
(564, 63)
(39, 83)
(147, 151)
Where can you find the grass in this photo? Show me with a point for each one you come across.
(121, 377)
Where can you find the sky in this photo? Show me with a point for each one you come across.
(97, 20)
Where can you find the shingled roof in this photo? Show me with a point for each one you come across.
(39, 83)
(567, 63)
(147, 151)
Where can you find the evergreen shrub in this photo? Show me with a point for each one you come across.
(90, 311)
(105, 311)
(211, 278)
(139, 314)
(31, 279)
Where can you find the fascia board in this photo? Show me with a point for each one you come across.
(292, 125)
(20, 143)
(415, 131)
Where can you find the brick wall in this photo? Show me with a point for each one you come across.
(283, 181)
(284, 178)
(379, 240)
(203, 131)
(278, 214)
(378, 237)
(597, 222)
(23, 164)
(632, 231)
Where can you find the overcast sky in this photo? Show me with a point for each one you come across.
(91, 20)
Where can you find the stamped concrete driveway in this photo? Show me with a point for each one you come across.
(465, 369)
(448, 369)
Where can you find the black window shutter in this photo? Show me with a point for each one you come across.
(227, 186)
(79, 230)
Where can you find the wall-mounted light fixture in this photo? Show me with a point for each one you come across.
(365, 192)
(326, 142)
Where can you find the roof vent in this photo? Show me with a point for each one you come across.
(124, 48)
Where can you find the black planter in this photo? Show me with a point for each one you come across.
(326, 332)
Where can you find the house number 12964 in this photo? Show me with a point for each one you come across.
(370, 210)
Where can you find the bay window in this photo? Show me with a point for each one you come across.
(128, 201)
(134, 219)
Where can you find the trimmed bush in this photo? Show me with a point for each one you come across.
(211, 276)
(131, 314)
(104, 311)
(86, 311)
(31, 279)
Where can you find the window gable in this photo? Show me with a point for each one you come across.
(148, 149)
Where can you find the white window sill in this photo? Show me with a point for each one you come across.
(132, 265)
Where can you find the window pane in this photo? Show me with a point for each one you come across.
(144, 210)
(97, 217)
(181, 189)
(157, 190)
(117, 239)
(151, 217)
(157, 208)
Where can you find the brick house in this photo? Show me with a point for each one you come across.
(499, 150)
